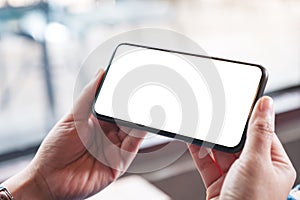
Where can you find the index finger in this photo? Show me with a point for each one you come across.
(205, 164)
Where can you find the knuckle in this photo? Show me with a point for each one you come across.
(263, 127)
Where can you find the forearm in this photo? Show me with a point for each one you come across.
(27, 185)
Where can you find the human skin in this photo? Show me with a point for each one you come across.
(261, 171)
(63, 168)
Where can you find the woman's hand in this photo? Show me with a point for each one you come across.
(64, 168)
(261, 171)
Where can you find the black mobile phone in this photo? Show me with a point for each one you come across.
(194, 98)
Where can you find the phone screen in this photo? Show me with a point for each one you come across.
(190, 97)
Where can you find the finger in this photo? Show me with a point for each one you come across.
(278, 152)
(125, 129)
(83, 105)
(206, 166)
(123, 133)
(120, 158)
(280, 158)
(224, 160)
(261, 129)
(108, 126)
(133, 140)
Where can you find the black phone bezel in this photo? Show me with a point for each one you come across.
(237, 148)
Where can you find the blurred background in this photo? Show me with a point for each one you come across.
(43, 43)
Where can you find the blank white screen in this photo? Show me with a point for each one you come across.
(240, 84)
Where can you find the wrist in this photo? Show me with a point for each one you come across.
(28, 185)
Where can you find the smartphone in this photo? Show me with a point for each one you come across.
(195, 98)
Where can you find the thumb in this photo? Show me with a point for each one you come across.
(83, 105)
(261, 129)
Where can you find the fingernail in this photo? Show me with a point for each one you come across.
(266, 105)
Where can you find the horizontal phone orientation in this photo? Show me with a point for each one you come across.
(198, 99)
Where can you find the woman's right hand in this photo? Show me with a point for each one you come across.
(261, 171)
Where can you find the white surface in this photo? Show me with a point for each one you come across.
(287, 102)
(240, 84)
(133, 188)
(262, 32)
(144, 98)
